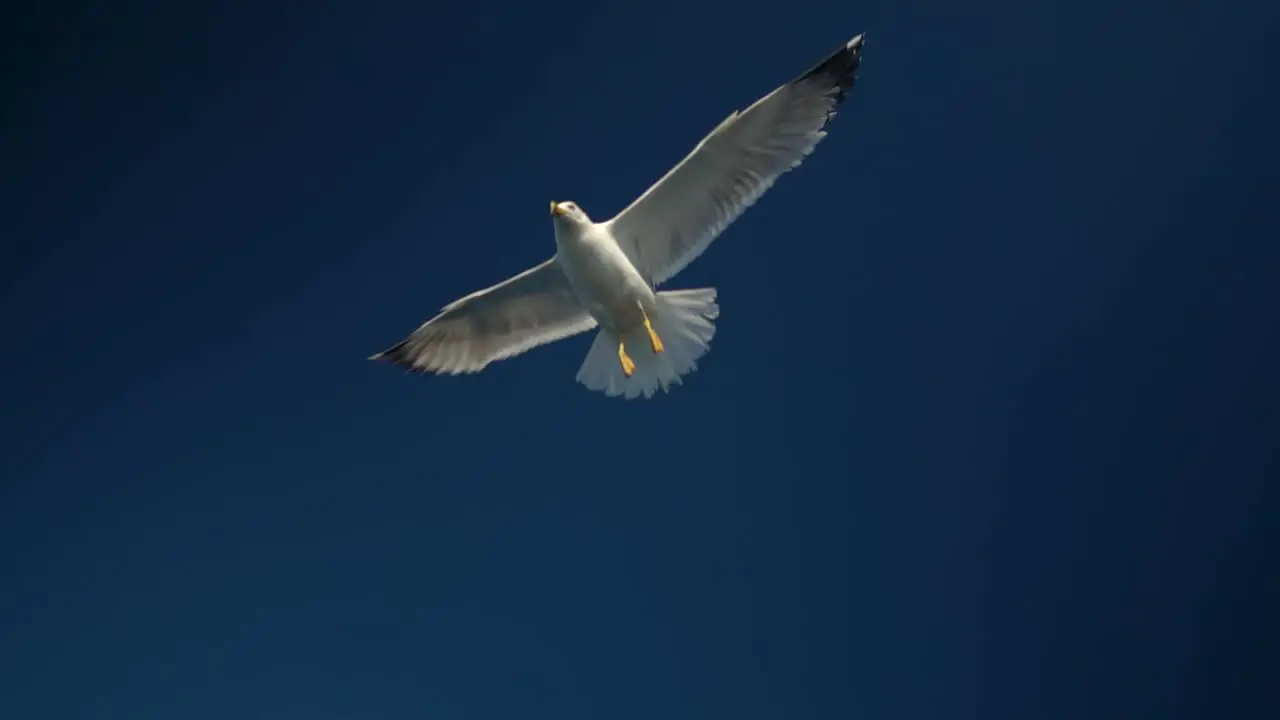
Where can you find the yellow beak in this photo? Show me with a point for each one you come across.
(556, 209)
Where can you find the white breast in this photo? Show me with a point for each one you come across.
(605, 281)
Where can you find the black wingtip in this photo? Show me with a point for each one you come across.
(397, 354)
(839, 69)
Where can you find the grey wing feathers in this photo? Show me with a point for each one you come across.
(675, 220)
(531, 309)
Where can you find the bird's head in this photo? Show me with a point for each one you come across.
(567, 211)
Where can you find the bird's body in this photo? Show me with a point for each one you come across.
(633, 318)
(603, 279)
(604, 275)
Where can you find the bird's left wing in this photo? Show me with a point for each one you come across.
(674, 221)
(531, 309)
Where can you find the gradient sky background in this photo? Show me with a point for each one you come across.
(982, 434)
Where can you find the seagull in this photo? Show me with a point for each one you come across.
(605, 274)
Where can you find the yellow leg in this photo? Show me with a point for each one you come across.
(654, 341)
(628, 365)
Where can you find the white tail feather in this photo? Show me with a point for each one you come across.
(683, 321)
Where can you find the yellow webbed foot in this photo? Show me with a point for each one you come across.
(654, 341)
(628, 365)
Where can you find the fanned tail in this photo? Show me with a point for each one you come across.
(683, 319)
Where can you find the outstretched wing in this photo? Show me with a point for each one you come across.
(674, 221)
(531, 309)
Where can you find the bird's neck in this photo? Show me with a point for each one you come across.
(570, 235)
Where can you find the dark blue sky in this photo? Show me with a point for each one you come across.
(983, 433)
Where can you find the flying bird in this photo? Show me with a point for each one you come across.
(605, 274)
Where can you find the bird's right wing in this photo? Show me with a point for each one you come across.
(531, 309)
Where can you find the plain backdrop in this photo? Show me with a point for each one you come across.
(988, 429)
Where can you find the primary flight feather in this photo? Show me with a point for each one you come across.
(604, 274)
